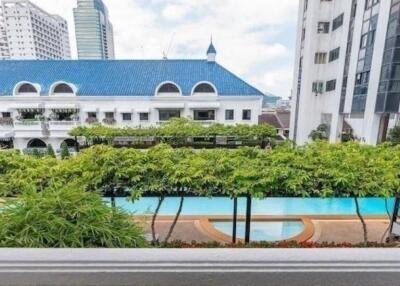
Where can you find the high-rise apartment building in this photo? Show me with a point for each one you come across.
(347, 70)
(4, 52)
(29, 32)
(94, 31)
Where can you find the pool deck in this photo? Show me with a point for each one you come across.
(336, 229)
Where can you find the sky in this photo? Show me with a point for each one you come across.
(255, 39)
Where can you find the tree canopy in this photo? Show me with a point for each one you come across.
(177, 127)
(316, 170)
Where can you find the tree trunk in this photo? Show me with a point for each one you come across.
(248, 220)
(171, 230)
(153, 220)
(364, 225)
(113, 205)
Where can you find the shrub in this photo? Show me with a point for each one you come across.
(65, 151)
(68, 218)
(394, 135)
(321, 133)
(50, 151)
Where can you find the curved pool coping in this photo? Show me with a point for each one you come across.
(205, 225)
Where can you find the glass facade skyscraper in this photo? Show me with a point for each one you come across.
(94, 31)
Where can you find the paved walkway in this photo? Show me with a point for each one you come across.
(337, 231)
(348, 230)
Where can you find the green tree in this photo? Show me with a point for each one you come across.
(50, 151)
(66, 218)
(65, 151)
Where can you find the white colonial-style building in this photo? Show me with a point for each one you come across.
(40, 101)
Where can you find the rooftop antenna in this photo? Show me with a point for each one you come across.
(165, 54)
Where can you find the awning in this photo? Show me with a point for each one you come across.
(27, 106)
(204, 105)
(59, 106)
(169, 105)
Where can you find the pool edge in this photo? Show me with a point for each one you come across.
(205, 225)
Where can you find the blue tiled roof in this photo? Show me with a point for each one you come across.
(211, 49)
(121, 78)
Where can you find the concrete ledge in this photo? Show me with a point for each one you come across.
(200, 267)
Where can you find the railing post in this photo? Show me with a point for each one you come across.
(394, 216)
(248, 219)
(234, 227)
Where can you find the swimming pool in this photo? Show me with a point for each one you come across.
(270, 206)
(264, 231)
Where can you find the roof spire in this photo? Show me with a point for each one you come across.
(211, 52)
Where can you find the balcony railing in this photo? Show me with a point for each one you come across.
(27, 123)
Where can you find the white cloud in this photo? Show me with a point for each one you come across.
(249, 35)
(175, 12)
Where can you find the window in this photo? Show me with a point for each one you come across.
(144, 116)
(165, 115)
(126, 116)
(337, 22)
(334, 54)
(370, 3)
(6, 114)
(318, 87)
(320, 58)
(229, 114)
(63, 88)
(246, 114)
(168, 88)
(109, 115)
(323, 27)
(204, 88)
(204, 115)
(27, 88)
(92, 115)
(331, 85)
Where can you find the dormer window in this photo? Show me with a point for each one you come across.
(168, 88)
(27, 88)
(204, 88)
(63, 88)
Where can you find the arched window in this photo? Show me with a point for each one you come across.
(27, 88)
(36, 143)
(168, 88)
(204, 88)
(63, 88)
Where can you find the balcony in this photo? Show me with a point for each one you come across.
(55, 125)
(6, 124)
(28, 125)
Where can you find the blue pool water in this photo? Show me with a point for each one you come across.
(264, 231)
(270, 206)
